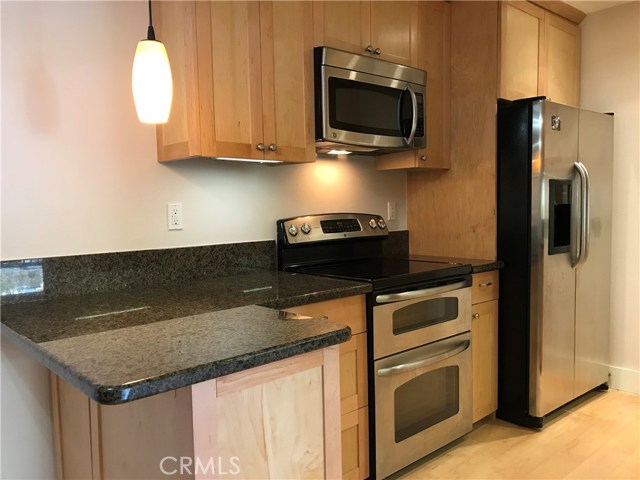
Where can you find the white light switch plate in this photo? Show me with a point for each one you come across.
(391, 211)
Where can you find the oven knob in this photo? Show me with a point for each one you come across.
(293, 230)
(372, 223)
(305, 228)
(381, 224)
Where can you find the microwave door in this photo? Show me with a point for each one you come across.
(363, 109)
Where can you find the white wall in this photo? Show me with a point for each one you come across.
(79, 176)
(79, 173)
(611, 83)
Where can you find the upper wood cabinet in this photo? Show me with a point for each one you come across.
(539, 54)
(243, 80)
(387, 30)
(562, 60)
(434, 56)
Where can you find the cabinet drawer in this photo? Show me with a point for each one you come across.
(485, 286)
(348, 311)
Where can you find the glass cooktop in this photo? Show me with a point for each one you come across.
(387, 272)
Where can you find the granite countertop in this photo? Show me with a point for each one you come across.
(125, 345)
(477, 265)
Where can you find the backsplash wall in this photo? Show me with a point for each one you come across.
(79, 172)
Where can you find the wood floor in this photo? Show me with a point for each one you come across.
(595, 437)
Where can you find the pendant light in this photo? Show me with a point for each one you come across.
(151, 79)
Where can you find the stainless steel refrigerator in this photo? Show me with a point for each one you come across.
(554, 237)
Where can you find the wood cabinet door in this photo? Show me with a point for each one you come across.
(562, 60)
(175, 26)
(394, 30)
(229, 66)
(344, 25)
(353, 374)
(355, 444)
(521, 39)
(434, 56)
(286, 31)
(484, 341)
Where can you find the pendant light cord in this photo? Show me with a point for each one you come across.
(151, 35)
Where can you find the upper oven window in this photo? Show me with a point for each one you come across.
(424, 314)
(367, 108)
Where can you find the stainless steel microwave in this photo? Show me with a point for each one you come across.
(367, 105)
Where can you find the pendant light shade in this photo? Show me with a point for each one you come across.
(151, 79)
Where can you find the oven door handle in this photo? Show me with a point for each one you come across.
(398, 297)
(423, 362)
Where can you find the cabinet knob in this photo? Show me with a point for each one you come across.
(476, 316)
(260, 147)
(377, 51)
(423, 158)
(273, 147)
(369, 49)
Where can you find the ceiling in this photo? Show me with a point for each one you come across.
(590, 6)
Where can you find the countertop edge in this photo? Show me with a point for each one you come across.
(118, 394)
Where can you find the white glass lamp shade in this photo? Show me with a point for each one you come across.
(151, 82)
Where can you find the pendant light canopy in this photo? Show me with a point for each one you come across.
(151, 79)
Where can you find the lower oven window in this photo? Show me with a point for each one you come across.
(425, 401)
(425, 313)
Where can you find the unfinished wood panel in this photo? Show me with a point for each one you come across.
(344, 25)
(485, 286)
(286, 31)
(136, 436)
(562, 9)
(331, 411)
(522, 35)
(175, 26)
(394, 30)
(350, 311)
(72, 430)
(562, 60)
(236, 92)
(434, 56)
(484, 341)
(453, 213)
(281, 431)
(265, 373)
(355, 444)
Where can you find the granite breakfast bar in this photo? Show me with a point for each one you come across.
(204, 376)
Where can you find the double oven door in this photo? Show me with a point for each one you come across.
(421, 371)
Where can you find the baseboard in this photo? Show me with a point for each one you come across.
(624, 379)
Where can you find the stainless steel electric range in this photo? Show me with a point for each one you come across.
(418, 332)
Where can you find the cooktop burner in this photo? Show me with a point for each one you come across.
(387, 272)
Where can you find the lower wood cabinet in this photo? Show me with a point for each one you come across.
(353, 380)
(484, 344)
(280, 420)
(355, 444)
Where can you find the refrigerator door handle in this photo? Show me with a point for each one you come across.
(585, 194)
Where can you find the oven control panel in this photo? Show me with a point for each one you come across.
(332, 226)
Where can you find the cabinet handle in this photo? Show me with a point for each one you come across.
(476, 316)
(377, 51)
(273, 147)
(260, 147)
(485, 284)
(423, 158)
(369, 49)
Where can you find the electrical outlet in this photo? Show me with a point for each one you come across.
(174, 216)
(391, 210)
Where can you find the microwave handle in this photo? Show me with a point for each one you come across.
(414, 122)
